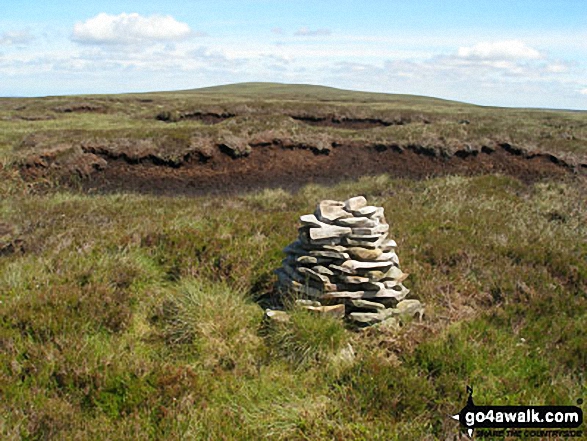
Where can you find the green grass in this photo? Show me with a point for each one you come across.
(126, 316)
(134, 317)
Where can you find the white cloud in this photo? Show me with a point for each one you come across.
(307, 32)
(11, 38)
(499, 50)
(557, 67)
(583, 91)
(129, 29)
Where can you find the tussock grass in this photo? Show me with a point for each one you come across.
(217, 323)
(307, 339)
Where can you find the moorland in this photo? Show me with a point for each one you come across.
(139, 234)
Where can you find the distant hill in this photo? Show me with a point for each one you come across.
(312, 92)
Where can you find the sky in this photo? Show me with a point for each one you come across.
(514, 53)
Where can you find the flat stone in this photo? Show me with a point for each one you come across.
(410, 307)
(366, 237)
(366, 304)
(329, 254)
(365, 318)
(356, 203)
(354, 279)
(313, 274)
(389, 324)
(367, 211)
(357, 264)
(310, 220)
(363, 243)
(345, 357)
(357, 222)
(327, 287)
(309, 280)
(372, 286)
(311, 244)
(329, 211)
(388, 246)
(341, 269)
(306, 302)
(307, 260)
(339, 248)
(379, 215)
(336, 311)
(286, 282)
(329, 231)
(375, 276)
(387, 257)
(308, 291)
(277, 316)
(371, 231)
(292, 273)
(364, 253)
(396, 275)
(398, 292)
(323, 270)
(390, 284)
(382, 294)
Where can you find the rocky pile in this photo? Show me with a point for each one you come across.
(344, 263)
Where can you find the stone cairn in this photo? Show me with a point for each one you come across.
(344, 264)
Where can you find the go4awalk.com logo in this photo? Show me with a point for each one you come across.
(520, 421)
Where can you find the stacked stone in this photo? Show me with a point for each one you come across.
(344, 257)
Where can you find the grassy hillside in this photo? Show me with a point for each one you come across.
(132, 316)
(312, 93)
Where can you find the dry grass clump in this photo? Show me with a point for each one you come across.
(216, 322)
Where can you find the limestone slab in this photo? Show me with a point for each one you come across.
(329, 254)
(328, 231)
(310, 220)
(355, 203)
(328, 211)
(365, 318)
(381, 294)
(357, 264)
(390, 245)
(356, 222)
(354, 279)
(366, 304)
(277, 316)
(410, 307)
(370, 231)
(323, 270)
(341, 269)
(366, 211)
(336, 311)
(313, 274)
(307, 260)
(363, 243)
(364, 253)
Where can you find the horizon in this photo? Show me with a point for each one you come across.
(292, 84)
(496, 54)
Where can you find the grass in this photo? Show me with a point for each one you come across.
(130, 316)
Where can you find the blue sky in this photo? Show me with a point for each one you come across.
(504, 53)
